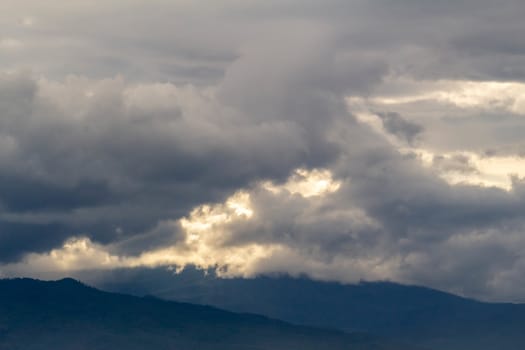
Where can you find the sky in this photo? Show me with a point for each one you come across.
(344, 140)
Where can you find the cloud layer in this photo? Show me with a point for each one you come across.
(344, 140)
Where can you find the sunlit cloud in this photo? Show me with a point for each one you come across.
(307, 183)
(464, 94)
(488, 171)
(206, 231)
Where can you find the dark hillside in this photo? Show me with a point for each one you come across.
(69, 315)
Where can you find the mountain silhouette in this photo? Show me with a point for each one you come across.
(66, 314)
(423, 316)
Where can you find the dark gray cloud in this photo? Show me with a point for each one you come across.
(16, 239)
(400, 127)
(129, 115)
(111, 159)
(456, 163)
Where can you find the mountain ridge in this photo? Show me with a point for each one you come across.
(431, 318)
(68, 314)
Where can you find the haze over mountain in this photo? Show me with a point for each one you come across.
(69, 315)
(423, 316)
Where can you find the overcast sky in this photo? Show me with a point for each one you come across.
(342, 139)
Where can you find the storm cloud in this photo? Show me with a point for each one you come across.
(345, 140)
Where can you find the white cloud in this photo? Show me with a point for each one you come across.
(307, 183)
